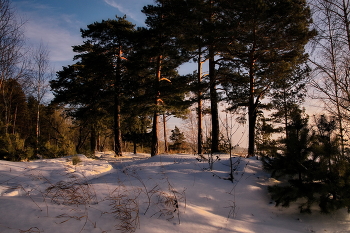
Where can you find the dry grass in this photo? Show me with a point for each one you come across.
(125, 208)
(30, 230)
(162, 201)
(154, 198)
(74, 192)
(168, 203)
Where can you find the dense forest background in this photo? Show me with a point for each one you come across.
(264, 60)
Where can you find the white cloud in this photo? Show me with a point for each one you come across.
(58, 32)
(58, 40)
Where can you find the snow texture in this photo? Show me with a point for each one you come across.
(138, 193)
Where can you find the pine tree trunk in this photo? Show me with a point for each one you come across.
(155, 141)
(252, 122)
(117, 131)
(155, 138)
(252, 111)
(286, 113)
(199, 96)
(117, 115)
(93, 139)
(135, 147)
(213, 104)
(166, 149)
(98, 142)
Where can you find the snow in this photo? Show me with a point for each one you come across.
(165, 193)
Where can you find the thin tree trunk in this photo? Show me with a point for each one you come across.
(14, 120)
(335, 81)
(285, 113)
(346, 22)
(6, 110)
(213, 104)
(347, 29)
(37, 128)
(199, 96)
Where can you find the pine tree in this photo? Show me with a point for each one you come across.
(197, 35)
(164, 56)
(178, 139)
(85, 88)
(288, 95)
(314, 167)
(265, 143)
(97, 79)
(113, 37)
(292, 160)
(266, 43)
(333, 167)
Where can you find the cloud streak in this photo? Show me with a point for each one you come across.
(58, 40)
(131, 8)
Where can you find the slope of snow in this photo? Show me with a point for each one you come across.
(165, 193)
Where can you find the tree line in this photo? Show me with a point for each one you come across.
(28, 127)
(250, 55)
(125, 77)
(253, 50)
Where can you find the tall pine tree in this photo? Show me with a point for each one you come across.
(113, 36)
(102, 64)
(160, 48)
(266, 41)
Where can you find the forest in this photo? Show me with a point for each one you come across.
(256, 61)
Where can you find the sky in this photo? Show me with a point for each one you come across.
(57, 23)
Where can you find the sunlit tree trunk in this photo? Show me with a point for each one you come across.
(166, 149)
(155, 128)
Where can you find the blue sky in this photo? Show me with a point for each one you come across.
(57, 23)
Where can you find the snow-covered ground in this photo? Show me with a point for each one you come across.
(165, 193)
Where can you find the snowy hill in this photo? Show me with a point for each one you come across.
(165, 193)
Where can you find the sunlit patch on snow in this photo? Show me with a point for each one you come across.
(208, 197)
(11, 192)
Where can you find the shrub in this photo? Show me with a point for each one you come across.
(313, 166)
(76, 159)
(12, 148)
